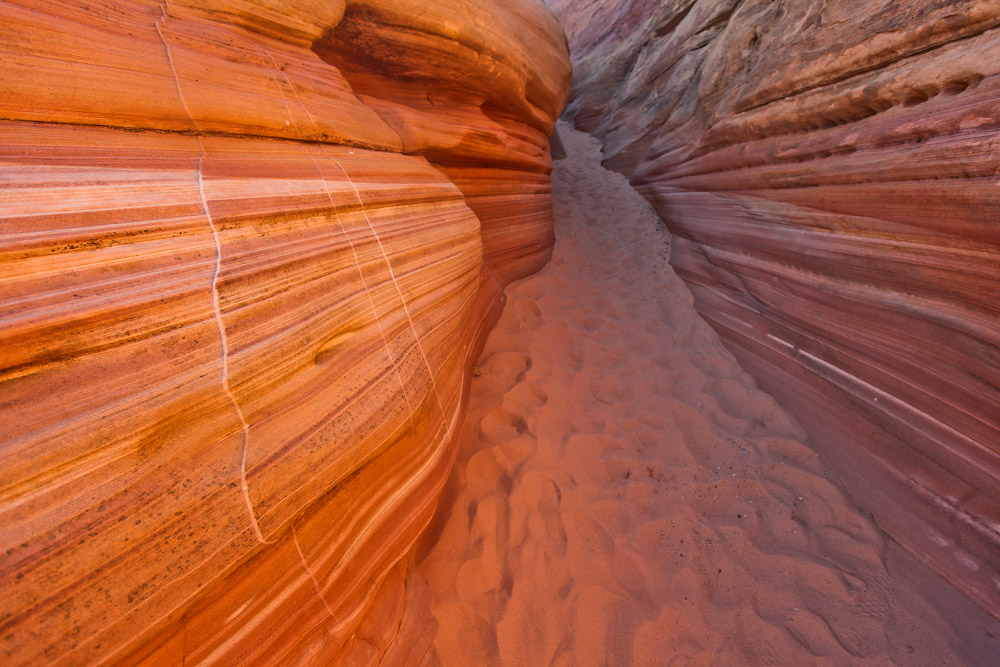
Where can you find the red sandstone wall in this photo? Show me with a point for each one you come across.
(830, 171)
(248, 252)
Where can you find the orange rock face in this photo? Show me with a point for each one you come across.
(829, 169)
(249, 250)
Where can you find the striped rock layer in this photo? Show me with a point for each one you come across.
(830, 171)
(249, 251)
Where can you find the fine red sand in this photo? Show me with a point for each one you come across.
(625, 495)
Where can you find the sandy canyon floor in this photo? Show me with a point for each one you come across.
(625, 495)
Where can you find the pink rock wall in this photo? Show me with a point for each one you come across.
(830, 171)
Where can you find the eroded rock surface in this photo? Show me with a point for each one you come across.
(829, 169)
(249, 250)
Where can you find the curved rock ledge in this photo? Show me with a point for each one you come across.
(249, 252)
(829, 169)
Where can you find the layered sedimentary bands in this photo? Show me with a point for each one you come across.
(248, 250)
(830, 171)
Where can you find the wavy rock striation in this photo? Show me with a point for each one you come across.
(830, 171)
(249, 250)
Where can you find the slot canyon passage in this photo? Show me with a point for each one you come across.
(311, 354)
(624, 494)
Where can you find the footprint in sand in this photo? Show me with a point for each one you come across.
(501, 425)
(527, 313)
(611, 390)
(527, 395)
(505, 368)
